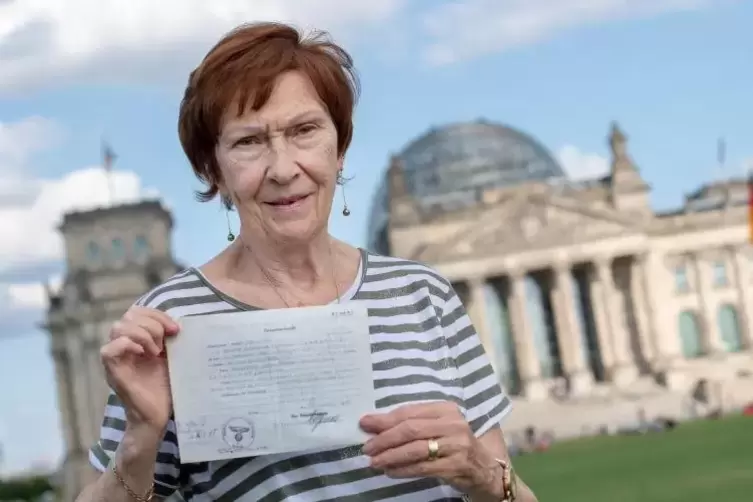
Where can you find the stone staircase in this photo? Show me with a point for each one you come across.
(584, 416)
(616, 408)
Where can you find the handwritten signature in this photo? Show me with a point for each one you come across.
(196, 430)
(317, 418)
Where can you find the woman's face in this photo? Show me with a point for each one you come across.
(279, 164)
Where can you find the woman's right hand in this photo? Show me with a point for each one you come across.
(136, 368)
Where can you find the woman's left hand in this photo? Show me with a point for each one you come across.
(401, 447)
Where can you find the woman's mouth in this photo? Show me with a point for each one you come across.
(288, 202)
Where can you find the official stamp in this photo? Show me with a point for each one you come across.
(238, 433)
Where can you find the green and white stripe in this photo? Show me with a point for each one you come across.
(424, 348)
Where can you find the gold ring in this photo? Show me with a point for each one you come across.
(433, 449)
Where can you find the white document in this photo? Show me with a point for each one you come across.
(272, 381)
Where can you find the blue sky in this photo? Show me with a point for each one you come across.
(676, 74)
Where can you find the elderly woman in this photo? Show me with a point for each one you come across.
(265, 122)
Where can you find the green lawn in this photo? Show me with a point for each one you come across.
(709, 460)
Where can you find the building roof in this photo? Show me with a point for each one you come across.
(448, 167)
(143, 208)
(472, 155)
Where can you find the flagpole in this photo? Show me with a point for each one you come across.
(108, 158)
(110, 189)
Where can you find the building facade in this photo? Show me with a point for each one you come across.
(113, 256)
(577, 289)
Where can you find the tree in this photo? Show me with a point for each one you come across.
(29, 489)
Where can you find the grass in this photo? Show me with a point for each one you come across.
(704, 460)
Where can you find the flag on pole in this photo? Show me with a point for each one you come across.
(108, 157)
(721, 152)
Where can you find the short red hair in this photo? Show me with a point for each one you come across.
(242, 70)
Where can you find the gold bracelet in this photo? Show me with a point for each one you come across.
(509, 483)
(135, 496)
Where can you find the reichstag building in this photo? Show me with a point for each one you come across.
(576, 288)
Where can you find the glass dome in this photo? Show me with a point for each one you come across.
(448, 167)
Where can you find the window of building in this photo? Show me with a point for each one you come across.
(93, 253)
(729, 328)
(720, 273)
(690, 335)
(118, 250)
(140, 248)
(681, 279)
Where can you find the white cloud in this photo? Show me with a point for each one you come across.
(579, 165)
(29, 295)
(19, 139)
(145, 39)
(28, 223)
(43, 42)
(462, 30)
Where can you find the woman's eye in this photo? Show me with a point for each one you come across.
(249, 140)
(305, 129)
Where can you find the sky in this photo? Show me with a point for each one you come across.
(675, 74)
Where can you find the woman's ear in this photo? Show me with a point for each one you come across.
(227, 201)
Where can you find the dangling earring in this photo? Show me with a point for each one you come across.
(346, 211)
(341, 181)
(230, 234)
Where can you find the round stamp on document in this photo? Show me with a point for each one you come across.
(238, 433)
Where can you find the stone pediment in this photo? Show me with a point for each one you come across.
(527, 221)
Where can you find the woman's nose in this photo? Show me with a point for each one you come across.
(282, 166)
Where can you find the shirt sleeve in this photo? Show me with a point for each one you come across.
(485, 402)
(167, 463)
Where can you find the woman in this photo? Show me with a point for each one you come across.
(265, 122)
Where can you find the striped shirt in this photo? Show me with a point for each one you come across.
(424, 348)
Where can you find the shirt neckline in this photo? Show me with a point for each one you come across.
(349, 294)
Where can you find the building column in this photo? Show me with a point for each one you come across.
(712, 340)
(75, 391)
(81, 387)
(668, 363)
(100, 334)
(528, 363)
(658, 286)
(745, 296)
(600, 315)
(640, 307)
(93, 379)
(569, 332)
(66, 406)
(478, 313)
(623, 370)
